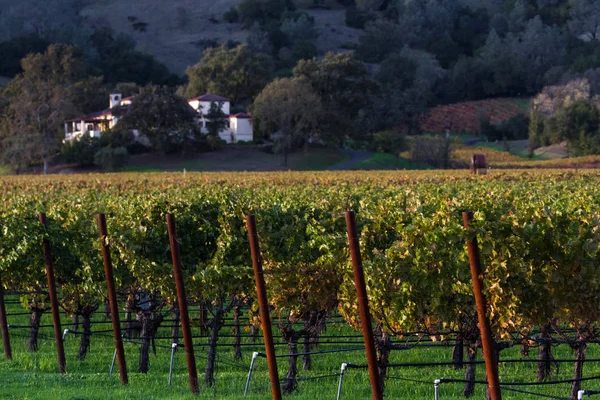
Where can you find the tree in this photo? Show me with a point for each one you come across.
(496, 58)
(288, 108)
(375, 44)
(585, 19)
(259, 40)
(41, 98)
(466, 80)
(300, 27)
(343, 85)
(518, 63)
(120, 62)
(216, 120)
(13, 51)
(166, 119)
(517, 17)
(577, 124)
(236, 73)
(566, 113)
(261, 11)
(406, 88)
(535, 51)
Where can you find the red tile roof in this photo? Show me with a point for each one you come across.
(93, 116)
(209, 97)
(241, 116)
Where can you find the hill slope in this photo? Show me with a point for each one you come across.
(464, 117)
(175, 32)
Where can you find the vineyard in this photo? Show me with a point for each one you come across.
(465, 116)
(538, 234)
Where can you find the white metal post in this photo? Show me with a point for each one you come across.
(112, 365)
(342, 369)
(173, 348)
(254, 355)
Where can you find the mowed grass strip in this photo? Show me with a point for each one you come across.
(35, 375)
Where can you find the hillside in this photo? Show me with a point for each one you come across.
(177, 31)
(464, 117)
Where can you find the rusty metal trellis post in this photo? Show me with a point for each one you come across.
(112, 299)
(263, 305)
(363, 304)
(489, 354)
(182, 302)
(53, 299)
(5, 335)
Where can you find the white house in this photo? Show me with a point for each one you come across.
(202, 103)
(238, 128)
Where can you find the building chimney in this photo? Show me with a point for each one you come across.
(115, 100)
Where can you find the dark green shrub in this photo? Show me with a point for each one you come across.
(514, 128)
(111, 159)
(81, 151)
(388, 141)
(232, 15)
(215, 142)
(304, 50)
(356, 18)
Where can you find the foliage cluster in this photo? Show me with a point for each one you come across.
(537, 234)
(567, 113)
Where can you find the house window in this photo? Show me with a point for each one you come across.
(227, 124)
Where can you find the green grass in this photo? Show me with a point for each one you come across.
(316, 159)
(389, 161)
(34, 375)
(240, 159)
(515, 147)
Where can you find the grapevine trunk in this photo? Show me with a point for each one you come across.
(253, 333)
(580, 348)
(84, 341)
(128, 321)
(202, 319)
(470, 371)
(34, 328)
(544, 369)
(175, 328)
(150, 321)
(383, 348)
(237, 349)
(291, 338)
(458, 354)
(215, 325)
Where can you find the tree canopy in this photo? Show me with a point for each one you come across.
(237, 73)
(41, 98)
(166, 119)
(289, 110)
(344, 87)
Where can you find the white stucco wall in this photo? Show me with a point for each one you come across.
(206, 106)
(242, 129)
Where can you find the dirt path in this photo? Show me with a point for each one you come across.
(356, 157)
